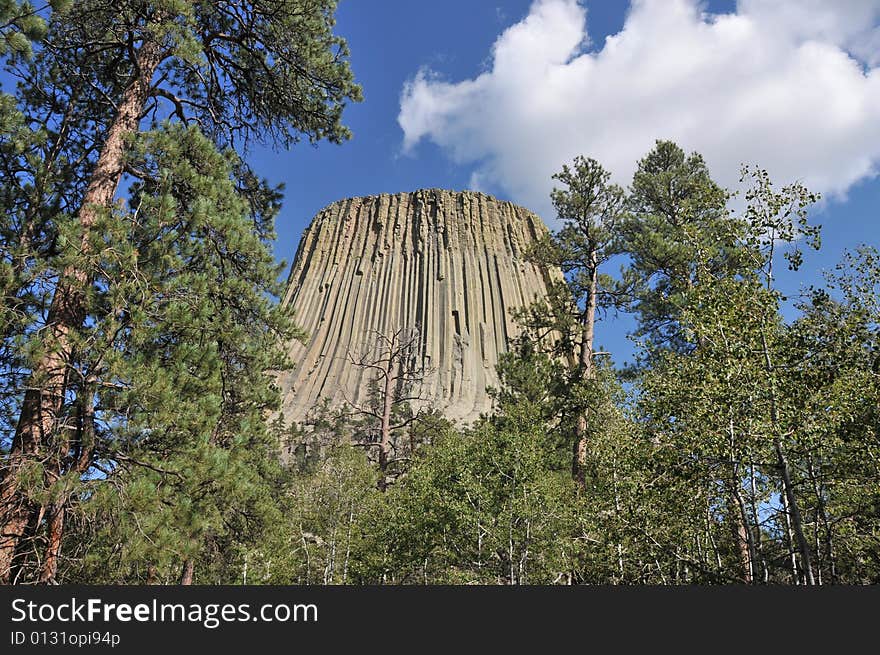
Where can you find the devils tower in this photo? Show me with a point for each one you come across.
(449, 265)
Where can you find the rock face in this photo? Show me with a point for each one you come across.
(449, 264)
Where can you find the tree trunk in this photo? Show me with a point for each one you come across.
(587, 372)
(822, 511)
(753, 508)
(793, 509)
(53, 545)
(736, 514)
(44, 398)
(385, 441)
(16, 513)
(782, 463)
(797, 523)
(186, 576)
(789, 542)
(78, 463)
(579, 455)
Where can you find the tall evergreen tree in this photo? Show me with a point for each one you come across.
(677, 228)
(590, 207)
(238, 72)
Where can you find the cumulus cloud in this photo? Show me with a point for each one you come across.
(792, 85)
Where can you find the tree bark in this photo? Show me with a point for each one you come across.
(736, 514)
(587, 372)
(186, 575)
(822, 511)
(793, 509)
(53, 547)
(78, 463)
(47, 386)
(736, 511)
(385, 441)
(797, 522)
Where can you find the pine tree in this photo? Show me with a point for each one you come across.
(392, 364)
(677, 228)
(265, 71)
(591, 209)
(176, 371)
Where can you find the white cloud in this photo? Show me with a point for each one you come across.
(792, 85)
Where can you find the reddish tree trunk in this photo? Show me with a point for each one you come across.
(44, 398)
(53, 545)
(736, 514)
(82, 449)
(186, 576)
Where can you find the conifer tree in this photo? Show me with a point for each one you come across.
(677, 228)
(234, 72)
(590, 207)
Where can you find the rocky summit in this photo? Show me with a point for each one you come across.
(448, 266)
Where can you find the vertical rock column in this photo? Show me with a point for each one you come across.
(448, 263)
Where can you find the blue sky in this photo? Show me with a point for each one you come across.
(390, 41)
(497, 95)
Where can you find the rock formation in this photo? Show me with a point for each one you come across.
(448, 264)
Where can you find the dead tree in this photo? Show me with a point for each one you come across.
(397, 371)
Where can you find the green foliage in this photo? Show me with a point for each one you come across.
(318, 540)
(591, 209)
(835, 390)
(180, 363)
(161, 302)
(477, 507)
(777, 218)
(20, 26)
(744, 449)
(265, 70)
(677, 233)
(747, 413)
(708, 412)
